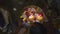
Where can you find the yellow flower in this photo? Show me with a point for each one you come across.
(31, 17)
(24, 19)
(39, 17)
(20, 16)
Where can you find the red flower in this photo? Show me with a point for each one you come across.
(40, 14)
(27, 14)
